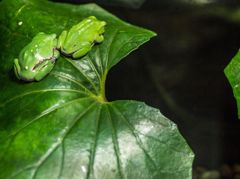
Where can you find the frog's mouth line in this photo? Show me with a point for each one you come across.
(52, 59)
(28, 80)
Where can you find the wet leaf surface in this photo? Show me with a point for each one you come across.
(62, 126)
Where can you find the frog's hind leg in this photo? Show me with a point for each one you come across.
(61, 39)
(43, 69)
(81, 52)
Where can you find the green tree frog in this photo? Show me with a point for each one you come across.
(79, 40)
(37, 59)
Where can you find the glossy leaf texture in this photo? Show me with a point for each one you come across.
(62, 126)
(232, 72)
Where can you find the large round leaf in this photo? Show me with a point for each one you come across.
(62, 126)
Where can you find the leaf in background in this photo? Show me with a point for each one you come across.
(232, 71)
(62, 126)
(125, 3)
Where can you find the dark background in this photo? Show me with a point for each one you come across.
(181, 71)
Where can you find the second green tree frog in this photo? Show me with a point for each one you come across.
(79, 40)
(37, 59)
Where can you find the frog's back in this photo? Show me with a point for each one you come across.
(39, 48)
(46, 47)
(86, 29)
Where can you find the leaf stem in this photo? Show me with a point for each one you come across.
(101, 97)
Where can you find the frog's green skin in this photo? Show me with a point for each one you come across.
(79, 40)
(37, 59)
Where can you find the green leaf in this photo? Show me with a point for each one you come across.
(232, 72)
(63, 126)
(127, 3)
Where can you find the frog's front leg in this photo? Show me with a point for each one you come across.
(56, 54)
(99, 39)
(86, 47)
(17, 68)
(61, 39)
(43, 69)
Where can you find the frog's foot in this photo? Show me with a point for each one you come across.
(17, 68)
(56, 54)
(99, 39)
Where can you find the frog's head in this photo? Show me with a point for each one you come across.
(37, 58)
(23, 72)
(32, 73)
(101, 27)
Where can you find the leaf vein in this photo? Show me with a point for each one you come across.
(89, 80)
(72, 80)
(93, 150)
(169, 146)
(75, 121)
(55, 145)
(115, 145)
(44, 159)
(45, 113)
(38, 91)
(94, 68)
(110, 47)
(138, 140)
(97, 54)
(62, 160)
